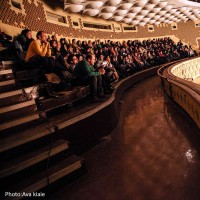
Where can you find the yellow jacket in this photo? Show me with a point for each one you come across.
(37, 48)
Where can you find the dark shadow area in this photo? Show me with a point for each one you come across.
(152, 154)
(54, 4)
(190, 129)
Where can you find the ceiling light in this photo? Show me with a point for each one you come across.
(121, 12)
(117, 18)
(91, 12)
(73, 8)
(162, 4)
(130, 15)
(114, 2)
(127, 20)
(108, 9)
(125, 6)
(94, 4)
(106, 15)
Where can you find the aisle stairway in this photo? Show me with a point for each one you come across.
(33, 154)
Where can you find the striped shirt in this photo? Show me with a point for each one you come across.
(37, 48)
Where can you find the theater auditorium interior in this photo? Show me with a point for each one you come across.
(100, 99)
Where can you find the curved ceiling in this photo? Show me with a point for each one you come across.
(137, 12)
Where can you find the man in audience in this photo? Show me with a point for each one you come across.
(84, 74)
(73, 60)
(39, 53)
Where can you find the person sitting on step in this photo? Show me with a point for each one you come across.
(39, 53)
(23, 41)
(85, 74)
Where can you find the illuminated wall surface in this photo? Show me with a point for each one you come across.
(51, 17)
(189, 70)
(179, 85)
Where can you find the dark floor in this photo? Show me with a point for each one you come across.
(154, 153)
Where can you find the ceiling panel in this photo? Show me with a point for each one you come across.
(136, 12)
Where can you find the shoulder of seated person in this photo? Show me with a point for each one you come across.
(37, 41)
(82, 62)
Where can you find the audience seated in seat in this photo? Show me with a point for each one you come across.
(111, 73)
(39, 53)
(23, 41)
(56, 53)
(85, 74)
(74, 61)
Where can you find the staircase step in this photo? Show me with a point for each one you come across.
(7, 71)
(6, 86)
(8, 64)
(19, 138)
(6, 76)
(19, 121)
(18, 96)
(16, 106)
(29, 74)
(4, 83)
(53, 103)
(45, 178)
(28, 159)
(11, 112)
(12, 97)
(68, 97)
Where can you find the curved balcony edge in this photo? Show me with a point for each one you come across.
(85, 130)
(185, 93)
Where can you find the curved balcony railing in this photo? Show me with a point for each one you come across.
(177, 82)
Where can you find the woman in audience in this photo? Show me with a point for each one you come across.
(129, 65)
(23, 41)
(55, 52)
(111, 73)
(80, 57)
(99, 62)
(114, 58)
(63, 49)
(119, 68)
(72, 60)
(139, 63)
